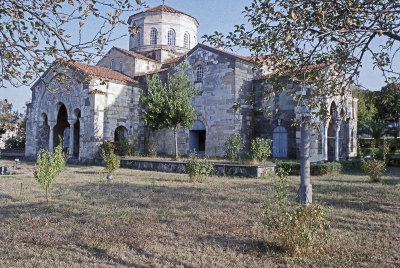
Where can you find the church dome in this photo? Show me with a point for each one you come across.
(163, 28)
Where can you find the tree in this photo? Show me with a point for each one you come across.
(390, 98)
(167, 105)
(367, 110)
(375, 129)
(35, 33)
(48, 167)
(7, 117)
(304, 36)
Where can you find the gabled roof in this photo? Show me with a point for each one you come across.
(162, 8)
(134, 54)
(102, 72)
(313, 67)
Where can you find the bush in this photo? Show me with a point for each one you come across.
(14, 142)
(106, 147)
(330, 168)
(300, 230)
(233, 145)
(48, 166)
(260, 149)
(394, 145)
(152, 149)
(351, 165)
(111, 161)
(375, 167)
(198, 170)
(124, 148)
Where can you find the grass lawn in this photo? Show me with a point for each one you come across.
(150, 219)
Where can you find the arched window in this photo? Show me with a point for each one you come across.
(112, 66)
(186, 40)
(120, 66)
(139, 38)
(171, 37)
(199, 73)
(153, 36)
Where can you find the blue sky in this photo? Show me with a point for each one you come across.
(220, 15)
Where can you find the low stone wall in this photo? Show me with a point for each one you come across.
(222, 169)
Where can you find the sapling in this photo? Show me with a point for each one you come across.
(48, 167)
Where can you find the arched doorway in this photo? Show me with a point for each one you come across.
(120, 133)
(332, 133)
(197, 137)
(280, 142)
(77, 132)
(61, 129)
(43, 133)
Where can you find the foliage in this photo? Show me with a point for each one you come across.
(374, 167)
(124, 148)
(330, 168)
(49, 166)
(390, 98)
(34, 33)
(233, 146)
(8, 119)
(152, 149)
(15, 142)
(300, 230)
(111, 160)
(351, 165)
(375, 129)
(260, 149)
(196, 169)
(168, 105)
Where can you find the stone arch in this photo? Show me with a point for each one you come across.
(120, 133)
(197, 137)
(43, 132)
(61, 129)
(280, 142)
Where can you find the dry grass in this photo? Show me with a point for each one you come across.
(149, 219)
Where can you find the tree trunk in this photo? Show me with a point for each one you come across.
(305, 189)
(176, 144)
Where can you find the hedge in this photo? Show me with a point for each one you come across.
(330, 168)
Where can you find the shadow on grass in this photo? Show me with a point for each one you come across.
(253, 247)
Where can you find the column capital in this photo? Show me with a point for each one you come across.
(52, 123)
(72, 121)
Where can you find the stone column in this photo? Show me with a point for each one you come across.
(337, 139)
(71, 136)
(51, 124)
(305, 188)
(325, 126)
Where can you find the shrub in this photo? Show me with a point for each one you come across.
(330, 168)
(260, 149)
(374, 167)
(298, 229)
(111, 161)
(233, 145)
(15, 142)
(351, 165)
(106, 147)
(124, 148)
(198, 170)
(152, 149)
(48, 166)
(394, 145)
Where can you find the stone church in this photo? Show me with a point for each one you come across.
(106, 105)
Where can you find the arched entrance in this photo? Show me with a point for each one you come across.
(43, 133)
(280, 142)
(77, 132)
(120, 133)
(197, 137)
(61, 129)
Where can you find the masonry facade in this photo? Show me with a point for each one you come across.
(105, 104)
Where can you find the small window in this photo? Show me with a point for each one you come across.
(199, 74)
(186, 40)
(112, 65)
(139, 38)
(171, 37)
(153, 36)
(120, 66)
